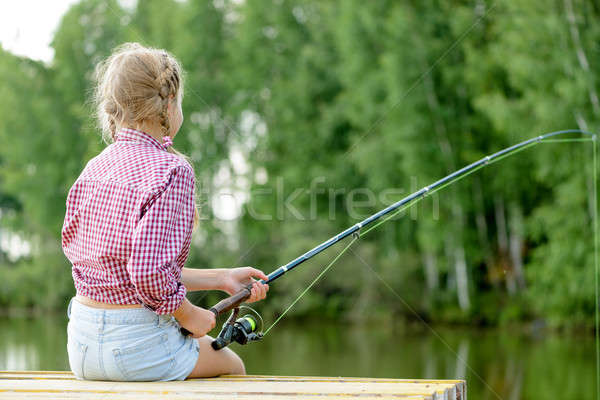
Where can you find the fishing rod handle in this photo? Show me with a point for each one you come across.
(232, 301)
(228, 303)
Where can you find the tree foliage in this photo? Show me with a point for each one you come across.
(328, 106)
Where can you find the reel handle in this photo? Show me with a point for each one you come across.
(225, 305)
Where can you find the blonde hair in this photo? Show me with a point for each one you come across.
(134, 85)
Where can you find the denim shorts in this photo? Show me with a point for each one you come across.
(131, 344)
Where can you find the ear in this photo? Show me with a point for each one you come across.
(171, 103)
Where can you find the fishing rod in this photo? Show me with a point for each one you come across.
(244, 330)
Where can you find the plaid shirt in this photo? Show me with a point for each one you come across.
(128, 224)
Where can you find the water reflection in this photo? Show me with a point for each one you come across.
(34, 343)
(513, 366)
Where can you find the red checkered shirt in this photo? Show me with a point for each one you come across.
(128, 224)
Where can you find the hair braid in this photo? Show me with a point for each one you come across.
(112, 113)
(167, 84)
(113, 128)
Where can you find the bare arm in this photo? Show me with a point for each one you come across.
(229, 280)
(202, 279)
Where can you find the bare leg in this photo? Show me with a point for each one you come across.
(213, 363)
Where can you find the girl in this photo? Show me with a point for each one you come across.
(127, 233)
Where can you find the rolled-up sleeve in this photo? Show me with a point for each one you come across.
(161, 241)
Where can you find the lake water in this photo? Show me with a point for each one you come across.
(498, 364)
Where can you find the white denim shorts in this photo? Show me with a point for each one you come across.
(131, 344)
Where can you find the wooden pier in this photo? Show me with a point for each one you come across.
(63, 385)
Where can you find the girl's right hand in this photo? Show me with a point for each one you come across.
(199, 322)
(196, 320)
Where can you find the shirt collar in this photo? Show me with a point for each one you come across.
(134, 135)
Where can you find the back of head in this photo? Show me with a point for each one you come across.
(133, 87)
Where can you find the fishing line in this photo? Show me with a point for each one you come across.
(227, 304)
(457, 177)
(474, 170)
(569, 140)
(597, 304)
(354, 239)
(448, 184)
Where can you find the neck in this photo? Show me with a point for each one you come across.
(153, 130)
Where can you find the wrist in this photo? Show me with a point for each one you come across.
(184, 311)
(221, 279)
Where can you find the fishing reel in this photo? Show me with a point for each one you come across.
(241, 330)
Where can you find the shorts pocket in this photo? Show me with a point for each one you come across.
(146, 359)
(77, 352)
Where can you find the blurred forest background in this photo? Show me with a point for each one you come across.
(307, 100)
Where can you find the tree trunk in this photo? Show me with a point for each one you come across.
(581, 56)
(502, 234)
(516, 245)
(462, 278)
(431, 271)
(449, 255)
(482, 230)
(460, 265)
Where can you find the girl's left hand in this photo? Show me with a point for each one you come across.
(236, 279)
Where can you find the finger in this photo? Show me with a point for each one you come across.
(253, 294)
(259, 291)
(257, 297)
(259, 274)
(263, 291)
(266, 287)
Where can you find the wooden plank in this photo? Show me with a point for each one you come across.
(63, 385)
